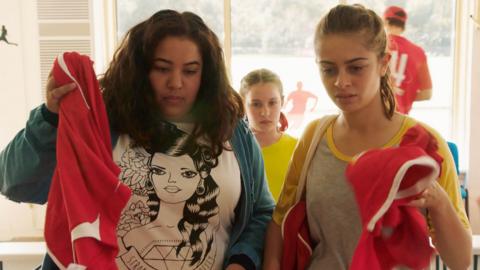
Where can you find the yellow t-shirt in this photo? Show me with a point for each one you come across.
(276, 157)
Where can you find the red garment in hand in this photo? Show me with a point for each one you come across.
(384, 181)
(86, 197)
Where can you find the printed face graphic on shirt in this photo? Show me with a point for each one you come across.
(172, 218)
(174, 180)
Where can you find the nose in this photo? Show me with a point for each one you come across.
(171, 179)
(175, 81)
(343, 79)
(265, 111)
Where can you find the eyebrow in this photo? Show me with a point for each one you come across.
(346, 62)
(259, 100)
(170, 62)
(272, 98)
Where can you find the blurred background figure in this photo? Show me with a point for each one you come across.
(297, 100)
(408, 65)
(3, 36)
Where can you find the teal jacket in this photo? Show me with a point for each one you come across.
(28, 161)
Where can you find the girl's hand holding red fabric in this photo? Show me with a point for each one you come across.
(434, 198)
(54, 93)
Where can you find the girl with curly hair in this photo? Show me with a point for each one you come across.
(168, 76)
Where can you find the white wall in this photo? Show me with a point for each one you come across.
(474, 157)
(42, 33)
(19, 92)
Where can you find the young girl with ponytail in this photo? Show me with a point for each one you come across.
(262, 92)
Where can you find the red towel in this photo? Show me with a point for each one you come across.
(384, 180)
(86, 197)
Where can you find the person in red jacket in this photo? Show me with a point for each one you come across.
(408, 63)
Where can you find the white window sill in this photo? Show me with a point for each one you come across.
(15, 251)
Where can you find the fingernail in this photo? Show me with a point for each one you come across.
(72, 85)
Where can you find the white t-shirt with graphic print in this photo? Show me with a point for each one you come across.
(181, 211)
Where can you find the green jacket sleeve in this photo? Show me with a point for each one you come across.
(27, 163)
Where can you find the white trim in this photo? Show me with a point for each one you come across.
(397, 180)
(63, 65)
(285, 218)
(305, 243)
(87, 229)
(74, 266)
(299, 236)
(82, 230)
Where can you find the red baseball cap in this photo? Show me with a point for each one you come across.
(394, 12)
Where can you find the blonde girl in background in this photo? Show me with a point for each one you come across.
(262, 92)
(351, 52)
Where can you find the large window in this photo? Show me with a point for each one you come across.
(431, 25)
(280, 38)
(131, 12)
(278, 35)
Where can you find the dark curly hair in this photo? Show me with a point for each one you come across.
(129, 97)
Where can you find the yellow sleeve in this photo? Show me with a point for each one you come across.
(449, 180)
(289, 189)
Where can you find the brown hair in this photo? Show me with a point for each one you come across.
(353, 19)
(129, 97)
(395, 22)
(259, 76)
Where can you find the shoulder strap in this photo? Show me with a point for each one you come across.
(317, 135)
